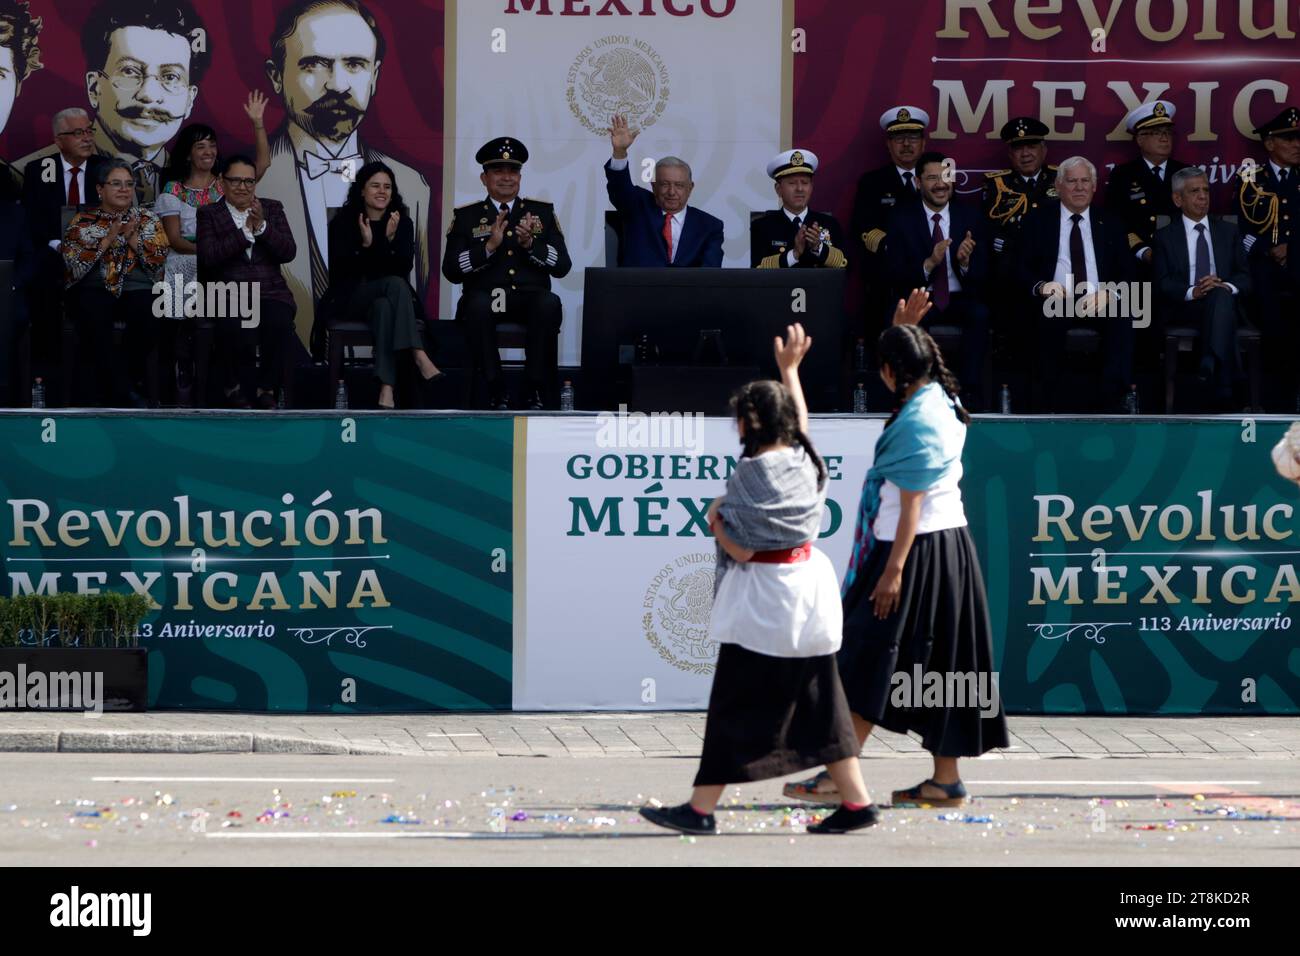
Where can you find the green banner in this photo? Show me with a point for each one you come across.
(299, 562)
(1138, 565)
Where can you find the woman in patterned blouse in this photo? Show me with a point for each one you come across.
(112, 255)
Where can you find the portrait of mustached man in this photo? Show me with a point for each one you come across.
(325, 64)
(142, 78)
(19, 57)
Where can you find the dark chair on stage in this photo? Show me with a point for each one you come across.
(1180, 338)
(948, 338)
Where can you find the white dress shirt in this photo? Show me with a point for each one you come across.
(679, 218)
(241, 223)
(57, 244)
(1189, 227)
(1063, 251)
(945, 223)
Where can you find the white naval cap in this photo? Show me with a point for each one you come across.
(1150, 115)
(792, 161)
(898, 119)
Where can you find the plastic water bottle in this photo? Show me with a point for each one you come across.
(1005, 400)
(566, 396)
(341, 396)
(860, 356)
(859, 399)
(1131, 400)
(38, 394)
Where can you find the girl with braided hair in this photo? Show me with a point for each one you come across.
(777, 705)
(914, 598)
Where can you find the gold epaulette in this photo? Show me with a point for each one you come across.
(1008, 202)
(771, 262)
(1134, 240)
(836, 259)
(995, 173)
(873, 239)
(1261, 211)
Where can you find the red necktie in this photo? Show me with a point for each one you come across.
(939, 277)
(668, 234)
(74, 191)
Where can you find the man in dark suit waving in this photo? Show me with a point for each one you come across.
(659, 228)
(942, 245)
(1069, 249)
(1201, 273)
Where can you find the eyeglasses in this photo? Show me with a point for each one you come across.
(906, 137)
(85, 131)
(239, 181)
(129, 78)
(120, 184)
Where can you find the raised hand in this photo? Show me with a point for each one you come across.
(791, 352)
(255, 107)
(912, 311)
(621, 137)
(367, 235)
(391, 229)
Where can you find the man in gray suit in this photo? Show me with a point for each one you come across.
(325, 60)
(1200, 276)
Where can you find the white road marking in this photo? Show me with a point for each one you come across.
(243, 779)
(381, 835)
(1116, 783)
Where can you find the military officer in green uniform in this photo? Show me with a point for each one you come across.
(792, 236)
(1009, 195)
(505, 250)
(1266, 200)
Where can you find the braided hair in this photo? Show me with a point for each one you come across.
(771, 416)
(912, 355)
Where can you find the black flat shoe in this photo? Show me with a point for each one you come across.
(844, 820)
(535, 402)
(682, 818)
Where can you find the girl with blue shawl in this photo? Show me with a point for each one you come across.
(917, 655)
(777, 705)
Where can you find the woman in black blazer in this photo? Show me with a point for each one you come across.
(372, 251)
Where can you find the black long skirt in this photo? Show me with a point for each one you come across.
(941, 627)
(773, 716)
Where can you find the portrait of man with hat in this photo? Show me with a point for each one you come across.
(504, 250)
(1266, 199)
(1139, 189)
(793, 236)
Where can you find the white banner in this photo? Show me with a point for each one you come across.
(704, 84)
(618, 563)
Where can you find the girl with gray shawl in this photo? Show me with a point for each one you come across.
(777, 705)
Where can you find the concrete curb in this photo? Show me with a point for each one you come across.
(174, 742)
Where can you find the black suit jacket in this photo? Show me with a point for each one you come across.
(911, 242)
(772, 234)
(44, 201)
(1173, 264)
(1134, 193)
(1040, 242)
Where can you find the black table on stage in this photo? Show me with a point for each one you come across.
(673, 306)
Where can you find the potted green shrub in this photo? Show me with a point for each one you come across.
(73, 651)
